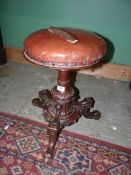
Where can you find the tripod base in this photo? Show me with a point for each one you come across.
(61, 108)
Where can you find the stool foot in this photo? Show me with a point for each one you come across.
(93, 115)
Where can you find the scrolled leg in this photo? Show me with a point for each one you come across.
(45, 95)
(44, 99)
(53, 133)
(84, 108)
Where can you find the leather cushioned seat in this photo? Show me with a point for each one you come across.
(64, 48)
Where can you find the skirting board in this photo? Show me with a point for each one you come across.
(106, 70)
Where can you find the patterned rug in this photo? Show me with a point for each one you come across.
(24, 141)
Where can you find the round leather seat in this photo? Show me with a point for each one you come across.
(64, 48)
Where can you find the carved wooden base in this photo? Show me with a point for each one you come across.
(61, 108)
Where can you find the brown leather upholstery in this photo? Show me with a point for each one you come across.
(64, 48)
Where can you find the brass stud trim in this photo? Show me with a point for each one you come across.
(85, 63)
(75, 64)
(43, 61)
(66, 64)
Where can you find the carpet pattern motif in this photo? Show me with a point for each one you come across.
(23, 144)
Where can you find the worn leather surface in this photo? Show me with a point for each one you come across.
(51, 49)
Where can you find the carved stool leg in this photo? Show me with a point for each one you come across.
(85, 106)
(53, 131)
